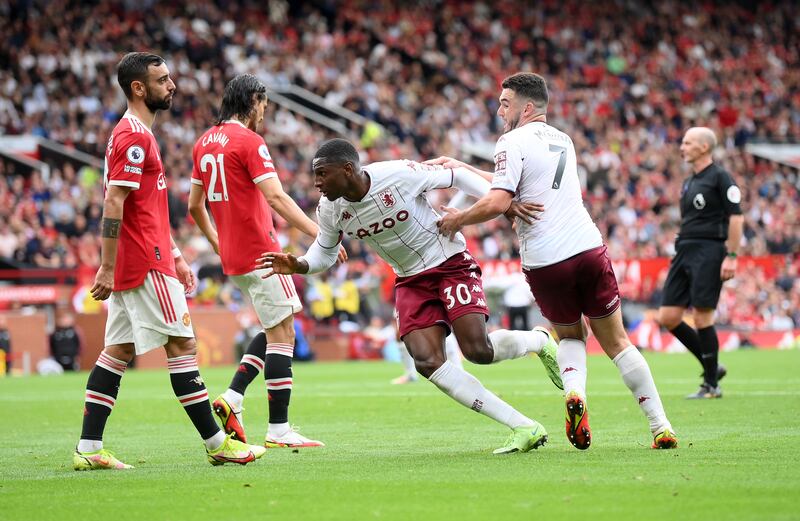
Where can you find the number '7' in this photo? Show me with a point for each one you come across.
(562, 163)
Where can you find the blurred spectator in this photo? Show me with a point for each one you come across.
(517, 300)
(5, 346)
(65, 342)
(626, 80)
(347, 301)
(320, 298)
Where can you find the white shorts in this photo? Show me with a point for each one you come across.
(148, 315)
(274, 298)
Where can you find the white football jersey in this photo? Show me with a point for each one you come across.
(394, 218)
(537, 164)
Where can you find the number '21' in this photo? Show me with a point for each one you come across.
(208, 160)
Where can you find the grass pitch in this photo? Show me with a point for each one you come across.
(409, 452)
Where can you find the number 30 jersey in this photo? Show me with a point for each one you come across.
(537, 164)
(229, 162)
(394, 218)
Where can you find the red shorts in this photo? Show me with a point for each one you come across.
(583, 284)
(440, 295)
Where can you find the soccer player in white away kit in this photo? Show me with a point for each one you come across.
(563, 256)
(145, 275)
(438, 283)
(233, 167)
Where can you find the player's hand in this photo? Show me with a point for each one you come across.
(277, 263)
(215, 245)
(342, 257)
(450, 223)
(728, 270)
(445, 161)
(103, 283)
(528, 212)
(185, 275)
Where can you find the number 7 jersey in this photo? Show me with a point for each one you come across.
(229, 162)
(537, 163)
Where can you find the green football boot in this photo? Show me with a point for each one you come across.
(548, 358)
(524, 439)
(98, 460)
(233, 451)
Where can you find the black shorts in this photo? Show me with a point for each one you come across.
(694, 277)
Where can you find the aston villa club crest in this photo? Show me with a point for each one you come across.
(387, 198)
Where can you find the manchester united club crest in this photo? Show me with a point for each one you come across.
(387, 198)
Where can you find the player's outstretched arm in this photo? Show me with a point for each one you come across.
(488, 207)
(286, 207)
(318, 258)
(110, 228)
(449, 162)
(197, 208)
(279, 263)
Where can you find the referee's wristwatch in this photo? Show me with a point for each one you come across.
(732, 254)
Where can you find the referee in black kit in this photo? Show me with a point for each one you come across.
(705, 257)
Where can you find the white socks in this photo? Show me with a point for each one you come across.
(215, 441)
(277, 430)
(233, 398)
(571, 358)
(451, 350)
(89, 445)
(636, 375)
(469, 392)
(508, 345)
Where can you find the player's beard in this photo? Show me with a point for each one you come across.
(512, 123)
(155, 104)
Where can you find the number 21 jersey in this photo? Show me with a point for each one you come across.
(229, 162)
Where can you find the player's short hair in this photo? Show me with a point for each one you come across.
(338, 150)
(133, 67)
(529, 85)
(241, 94)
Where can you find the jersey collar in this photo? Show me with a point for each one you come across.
(139, 121)
(234, 121)
(703, 171)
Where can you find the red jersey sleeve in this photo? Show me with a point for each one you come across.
(259, 162)
(126, 159)
(197, 178)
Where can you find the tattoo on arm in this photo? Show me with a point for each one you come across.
(111, 227)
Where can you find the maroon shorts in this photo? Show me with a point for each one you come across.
(440, 295)
(583, 284)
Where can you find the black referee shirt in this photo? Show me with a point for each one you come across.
(708, 199)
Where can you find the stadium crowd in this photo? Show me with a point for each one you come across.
(626, 80)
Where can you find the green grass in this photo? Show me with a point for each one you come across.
(409, 452)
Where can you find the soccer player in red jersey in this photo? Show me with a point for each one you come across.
(144, 275)
(234, 172)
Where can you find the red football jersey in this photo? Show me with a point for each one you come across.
(132, 160)
(229, 162)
